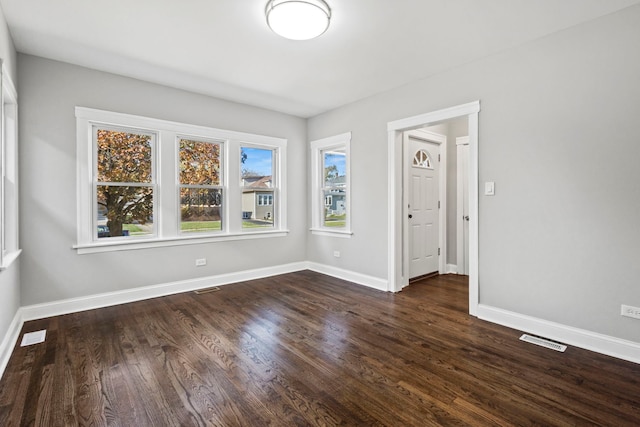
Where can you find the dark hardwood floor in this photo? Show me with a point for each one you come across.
(307, 349)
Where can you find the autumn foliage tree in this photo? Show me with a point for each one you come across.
(199, 171)
(125, 182)
(124, 178)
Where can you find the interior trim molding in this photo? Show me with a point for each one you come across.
(397, 276)
(10, 339)
(90, 302)
(452, 269)
(592, 341)
(588, 340)
(350, 276)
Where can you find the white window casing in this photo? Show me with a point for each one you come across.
(166, 216)
(9, 241)
(319, 200)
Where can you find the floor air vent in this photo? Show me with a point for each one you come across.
(543, 342)
(33, 338)
(206, 290)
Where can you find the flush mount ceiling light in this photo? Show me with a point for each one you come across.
(298, 19)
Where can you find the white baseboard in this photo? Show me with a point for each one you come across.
(9, 341)
(599, 343)
(622, 349)
(73, 305)
(351, 276)
(452, 269)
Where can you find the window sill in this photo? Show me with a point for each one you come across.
(124, 245)
(9, 258)
(344, 234)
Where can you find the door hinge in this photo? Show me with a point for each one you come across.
(438, 157)
(438, 251)
(438, 204)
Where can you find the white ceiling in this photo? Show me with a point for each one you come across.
(224, 48)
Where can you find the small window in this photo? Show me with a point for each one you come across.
(422, 160)
(334, 165)
(331, 192)
(200, 186)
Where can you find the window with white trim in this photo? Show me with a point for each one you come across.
(145, 182)
(331, 192)
(9, 249)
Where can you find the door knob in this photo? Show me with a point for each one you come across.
(410, 216)
(466, 217)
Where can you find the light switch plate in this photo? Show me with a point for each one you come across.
(489, 188)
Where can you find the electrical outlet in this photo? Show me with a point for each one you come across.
(630, 311)
(201, 262)
(336, 254)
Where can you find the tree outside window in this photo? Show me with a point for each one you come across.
(125, 183)
(200, 186)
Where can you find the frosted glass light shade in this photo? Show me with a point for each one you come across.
(298, 19)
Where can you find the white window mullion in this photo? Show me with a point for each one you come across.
(167, 188)
(233, 208)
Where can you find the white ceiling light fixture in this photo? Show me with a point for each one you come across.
(298, 19)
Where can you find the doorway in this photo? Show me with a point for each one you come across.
(398, 261)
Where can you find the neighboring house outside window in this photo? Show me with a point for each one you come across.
(258, 187)
(123, 203)
(331, 211)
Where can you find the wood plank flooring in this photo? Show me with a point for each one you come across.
(306, 349)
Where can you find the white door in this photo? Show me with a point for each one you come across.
(423, 192)
(463, 206)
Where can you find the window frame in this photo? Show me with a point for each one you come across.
(9, 218)
(167, 204)
(318, 202)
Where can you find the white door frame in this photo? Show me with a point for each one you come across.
(397, 222)
(461, 253)
(441, 140)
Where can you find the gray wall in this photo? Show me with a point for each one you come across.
(558, 135)
(10, 278)
(51, 269)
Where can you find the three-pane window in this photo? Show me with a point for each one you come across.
(146, 182)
